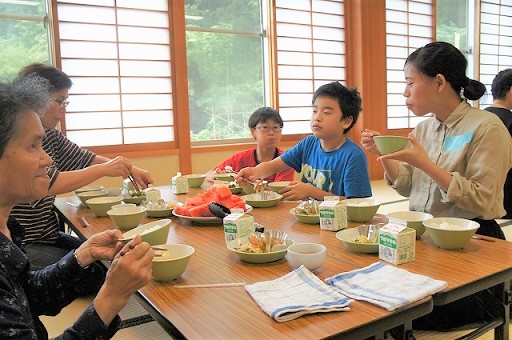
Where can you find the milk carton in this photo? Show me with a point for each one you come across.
(237, 225)
(397, 243)
(179, 184)
(152, 195)
(333, 214)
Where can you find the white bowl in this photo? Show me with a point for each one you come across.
(310, 255)
(114, 191)
(451, 232)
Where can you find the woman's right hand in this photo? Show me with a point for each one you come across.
(130, 270)
(368, 143)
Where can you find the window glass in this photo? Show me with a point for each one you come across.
(232, 15)
(23, 36)
(225, 67)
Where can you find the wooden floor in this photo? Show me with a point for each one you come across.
(153, 331)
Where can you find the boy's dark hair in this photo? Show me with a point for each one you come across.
(349, 100)
(501, 84)
(58, 79)
(263, 114)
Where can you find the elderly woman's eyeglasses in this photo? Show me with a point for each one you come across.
(62, 103)
(264, 128)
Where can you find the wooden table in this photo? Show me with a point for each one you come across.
(232, 313)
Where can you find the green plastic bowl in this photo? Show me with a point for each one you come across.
(86, 195)
(173, 262)
(195, 180)
(277, 186)
(451, 232)
(153, 233)
(100, 205)
(390, 144)
(126, 218)
(361, 209)
(348, 237)
(413, 219)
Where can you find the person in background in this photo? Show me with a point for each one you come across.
(265, 125)
(502, 104)
(451, 169)
(26, 294)
(328, 161)
(73, 168)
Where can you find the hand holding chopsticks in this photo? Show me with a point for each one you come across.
(135, 185)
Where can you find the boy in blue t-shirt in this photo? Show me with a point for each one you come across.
(329, 162)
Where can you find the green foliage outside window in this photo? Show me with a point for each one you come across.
(225, 67)
(22, 41)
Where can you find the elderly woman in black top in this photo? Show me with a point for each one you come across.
(25, 294)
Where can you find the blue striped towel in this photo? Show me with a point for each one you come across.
(297, 293)
(385, 285)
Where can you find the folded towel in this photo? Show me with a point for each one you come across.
(297, 293)
(385, 285)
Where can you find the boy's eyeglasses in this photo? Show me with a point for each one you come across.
(276, 128)
(62, 103)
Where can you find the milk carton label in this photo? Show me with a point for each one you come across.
(397, 243)
(237, 225)
(333, 214)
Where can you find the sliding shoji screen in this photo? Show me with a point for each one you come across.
(495, 42)
(310, 38)
(409, 25)
(118, 56)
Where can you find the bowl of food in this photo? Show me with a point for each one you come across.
(413, 219)
(172, 262)
(224, 177)
(265, 247)
(126, 218)
(277, 186)
(451, 232)
(134, 197)
(153, 232)
(100, 205)
(88, 188)
(86, 195)
(357, 242)
(160, 209)
(235, 188)
(390, 144)
(309, 255)
(362, 209)
(262, 199)
(195, 180)
(114, 191)
(307, 212)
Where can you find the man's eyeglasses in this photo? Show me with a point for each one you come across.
(62, 103)
(264, 128)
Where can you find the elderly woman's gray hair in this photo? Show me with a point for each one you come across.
(23, 95)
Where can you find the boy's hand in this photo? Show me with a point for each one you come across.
(296, 191)
(246, 174)
(367, 141)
